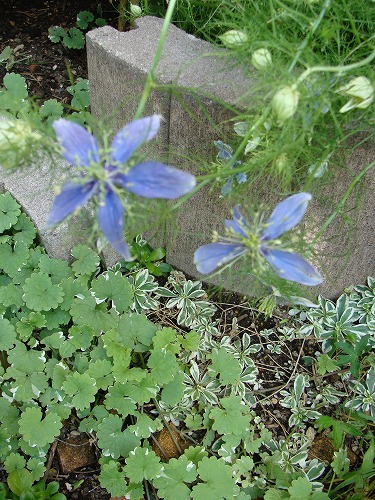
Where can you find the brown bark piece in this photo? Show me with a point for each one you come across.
(75, 452)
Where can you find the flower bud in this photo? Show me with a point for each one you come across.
(16, 138)
(135, 10)
(361, 92)
(281, 162)
(284, 104)
(261, 58)
(234, 38)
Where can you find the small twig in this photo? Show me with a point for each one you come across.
(51, 456)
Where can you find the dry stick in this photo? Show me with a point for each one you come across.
(51, 456)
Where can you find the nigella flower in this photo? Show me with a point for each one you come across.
(106, 174)
(262, 241)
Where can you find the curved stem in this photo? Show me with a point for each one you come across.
(334, 69)
(150, 77)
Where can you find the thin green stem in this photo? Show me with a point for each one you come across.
(150, 77)
(334, 69)
(342, 201)
(314, 27)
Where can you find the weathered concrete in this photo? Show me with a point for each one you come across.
(118, 67)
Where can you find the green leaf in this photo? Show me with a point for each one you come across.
(231, 418)
(57, 269)
(117, 399)
(56, 34)
(38, 431)
(274, 494)
(74, 39)
(5, 54)
(300, 489)
(14, 461)
(82, 388)
(142, 464)
(173, 392)
(51, 110)
(27, 372)
(145, 426)
(17, 86)
(41, 294)
(81, 94)
(9, 210)
(101, 371)
(86, 262)
(166, 338)
(340, 463)
(218, 481)
(112, 479)
(7, 336)
(142, 390)
(20, 481)
(326, 364)
(13, 258)
(163, 366)
(86, 312)
(226, 365)
(114, 287)
(190, 341)
(26, 231)
(113, 441)
(175, 473)
(84, 17)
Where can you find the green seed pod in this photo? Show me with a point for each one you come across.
(285, 103)
(261, 58)
(234, 38)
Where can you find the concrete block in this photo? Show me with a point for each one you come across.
(118, 67)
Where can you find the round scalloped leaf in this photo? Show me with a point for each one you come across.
(8, 335)
(40, 294)
(9, 211)
(114, 287)
(142, 464)
(86, 261)
(113, 441)
(26, 230)
(39, 431)
(82, 388)
(13, 258)
(218, 480)
(113, 480)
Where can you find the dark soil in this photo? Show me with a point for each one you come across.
(49, 68)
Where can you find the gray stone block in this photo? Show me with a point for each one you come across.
(119, 64)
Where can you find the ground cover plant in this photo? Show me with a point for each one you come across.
(179, 398)
(182, 396)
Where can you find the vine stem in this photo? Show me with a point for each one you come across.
(150, 77)
(334, 69)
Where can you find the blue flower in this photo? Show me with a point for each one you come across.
(224, 156)
(262, 241)
(104, 175)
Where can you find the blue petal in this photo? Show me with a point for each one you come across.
(71, 197)
(155, 180)
(78, 146)
(209, 257)
(111, 221)
(286, 215)
(132, 136)
(239, 224)
(292, 267)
